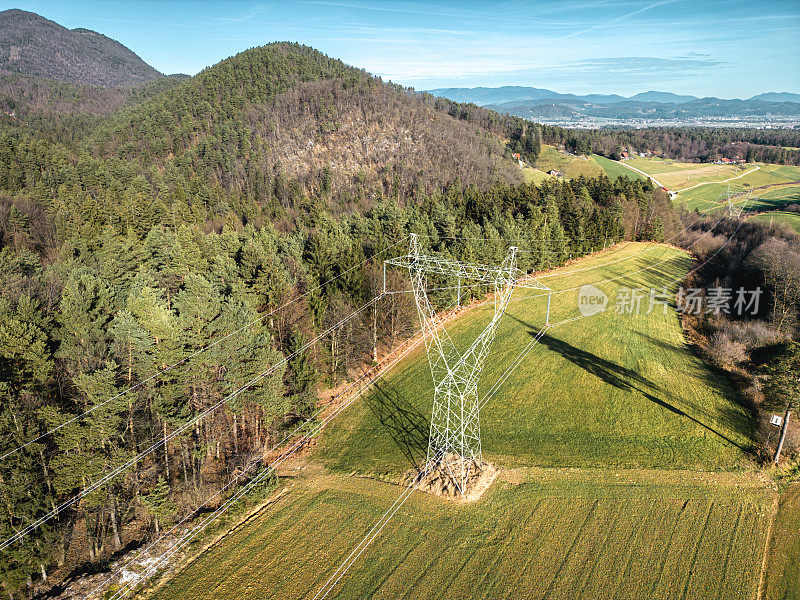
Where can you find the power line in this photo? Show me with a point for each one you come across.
(414, 343)
(374, 532)
(515, 363)
(67, 503)
(485, 239)
(200, 351)
(189, 535)
(486, 398)
(556, 292)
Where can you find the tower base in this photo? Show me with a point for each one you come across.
(454, 477)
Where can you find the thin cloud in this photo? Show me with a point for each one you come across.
(620, 18)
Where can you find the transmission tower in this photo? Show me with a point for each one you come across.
(734, 210)
(455, 434)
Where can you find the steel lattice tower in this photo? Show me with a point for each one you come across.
(733, 210)
(455, 433)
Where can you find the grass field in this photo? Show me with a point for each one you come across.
(676, 175)
(550, 534)
(532, 175)
(610, 390)
(571, 166)
(791, 219)
(708, 197)
(657, 166)
(614, 169)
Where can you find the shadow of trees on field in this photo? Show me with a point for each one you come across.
(629, 380)
(406, 425)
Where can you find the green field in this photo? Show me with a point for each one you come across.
(676, 175)
(708, 197)
(615, 169)
(656, 166)
(532, 175)
(770, 175)
(610, 390)
(553, 535)
(791, 219)
(571, 166)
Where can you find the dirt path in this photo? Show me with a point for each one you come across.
(650, 177)
(724, 181)
(762, 577)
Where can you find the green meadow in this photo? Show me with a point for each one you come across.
(543, 535)
(791, 219)
(610, 390)
(615, 169)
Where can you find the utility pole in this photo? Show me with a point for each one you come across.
(782, 437)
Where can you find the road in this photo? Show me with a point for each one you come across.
(672, 194)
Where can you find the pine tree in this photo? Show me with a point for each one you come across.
(157, 503)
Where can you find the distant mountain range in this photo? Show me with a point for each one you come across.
(35, 46)
(515, 93)
(538, 103)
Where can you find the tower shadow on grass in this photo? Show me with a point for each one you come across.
(406, 425)
(629, 380)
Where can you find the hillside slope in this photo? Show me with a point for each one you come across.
(287, 111)
(33, 45)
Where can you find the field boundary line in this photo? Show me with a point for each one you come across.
(762, 576)
(647, 175)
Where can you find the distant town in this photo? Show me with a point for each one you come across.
(743, 122)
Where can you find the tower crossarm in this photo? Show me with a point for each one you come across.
(502, 275)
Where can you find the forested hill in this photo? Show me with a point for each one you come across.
(265, 136)
(33, 45)
(268, 116)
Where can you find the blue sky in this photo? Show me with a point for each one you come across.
(719, 48)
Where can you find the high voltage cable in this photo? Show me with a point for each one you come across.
(373, 533)
(385, 370)
(200, 351)
(382, 522)
(30, 528)
(627, 274)
(620, 260)
(485, 239)
(541, 333)
(67, 503)
(190, 534)
(514, 364)
(260, 459)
